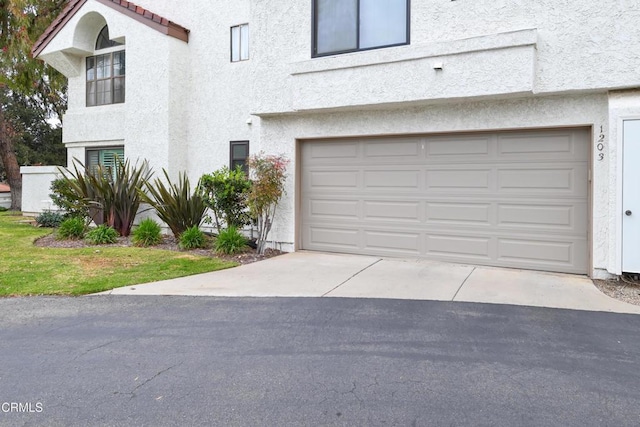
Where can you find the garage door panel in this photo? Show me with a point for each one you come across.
(333, 179)
(508, 199)
(392, 179)
(543, 143)
(458, 213)
(445, 148)
(535, 250)
(387, 241)
(392, 210)
(327, 237)
(404, 147)
(567, 217)
(333, 151)
(459, 246)
(560, 180)
(458, 179)
(546, 145)
(333, 209)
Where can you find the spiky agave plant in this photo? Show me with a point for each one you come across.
(112, 199)
(124, 192)
(175, 203)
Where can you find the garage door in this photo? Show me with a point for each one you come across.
(510, 199)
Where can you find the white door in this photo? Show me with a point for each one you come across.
(631, 197)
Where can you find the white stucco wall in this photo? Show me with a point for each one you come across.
(219, 102)
(507, 64)
(157, 85)
(584, 45)
(36, 181)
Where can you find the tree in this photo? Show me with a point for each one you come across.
(35, 140)
(10, 161)
(37, 84)
(268, 175)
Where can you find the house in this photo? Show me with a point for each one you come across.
(5, 196)
(502, 133)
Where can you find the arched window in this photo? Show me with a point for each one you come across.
(103, 40)
(106, 72)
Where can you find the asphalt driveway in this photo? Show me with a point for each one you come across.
(163, 361)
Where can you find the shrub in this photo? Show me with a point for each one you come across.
(102, 235)
(49, 219)
(230, 241)
(72, 228)
(192, 238)
(3, 209)
(268, 175)
(109, 198)
(175, 204)
(147, 233)
(64, 197)
(225, 192)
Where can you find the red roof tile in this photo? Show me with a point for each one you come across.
(4, 188)
(130, 9)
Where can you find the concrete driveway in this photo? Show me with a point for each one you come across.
(315, 274)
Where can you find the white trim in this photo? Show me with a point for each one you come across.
(95, 144)
(511, 39)
(106, 50)
(36, 170)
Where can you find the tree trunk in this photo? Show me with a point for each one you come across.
(10, 162)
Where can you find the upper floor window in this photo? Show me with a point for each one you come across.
(106, 73)
(240, 43)
(341, 26)
(103, 41)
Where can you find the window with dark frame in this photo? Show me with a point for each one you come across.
(240, 43)
(342, 26)
(239, 153)
(106, 73)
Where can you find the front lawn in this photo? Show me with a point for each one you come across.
(29, 270)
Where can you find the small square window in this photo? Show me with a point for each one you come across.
(239, 153)
(240, 43)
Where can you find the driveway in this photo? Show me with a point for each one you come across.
(315, 274)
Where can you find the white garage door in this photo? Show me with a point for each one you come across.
(512, 199)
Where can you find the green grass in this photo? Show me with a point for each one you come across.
(26, 269)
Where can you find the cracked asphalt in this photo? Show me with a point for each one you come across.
(156, 361)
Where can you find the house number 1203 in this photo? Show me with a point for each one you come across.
(600, 145)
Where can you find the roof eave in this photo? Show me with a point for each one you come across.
(133, 11)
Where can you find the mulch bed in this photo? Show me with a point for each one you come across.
(169, 243)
